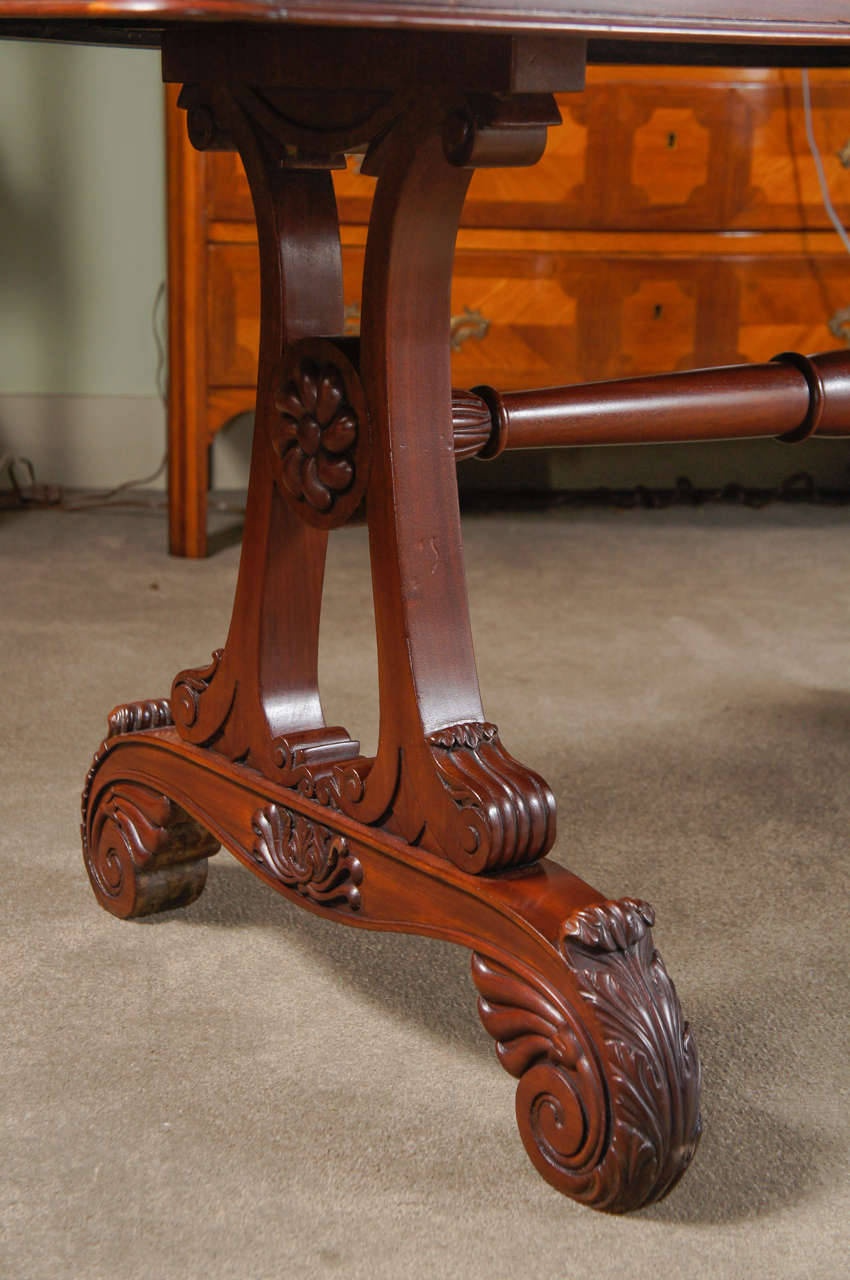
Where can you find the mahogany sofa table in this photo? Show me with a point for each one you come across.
(442, 832)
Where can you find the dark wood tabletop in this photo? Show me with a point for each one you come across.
(780, 21)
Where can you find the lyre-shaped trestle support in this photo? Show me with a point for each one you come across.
(443, 832)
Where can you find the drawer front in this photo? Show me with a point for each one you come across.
(648, 152)
(233, 315)
(654, 155)
(565, 317)
(537, 317)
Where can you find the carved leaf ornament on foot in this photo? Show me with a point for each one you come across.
(612, 1120)
(143, 853)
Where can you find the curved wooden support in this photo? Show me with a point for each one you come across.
(441, 777)
(570, 985)
(261, 690)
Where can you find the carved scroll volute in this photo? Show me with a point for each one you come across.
(436, 755)
(609, 1078)
(143, 853)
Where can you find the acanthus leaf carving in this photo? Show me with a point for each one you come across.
(654, 1066)
(307, 857)
(612, 1120)
(130, 717)
(142, 851)
(469, 734)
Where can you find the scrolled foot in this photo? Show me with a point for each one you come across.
(609, 1079)
(143, 853)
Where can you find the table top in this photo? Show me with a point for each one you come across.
(772, 21)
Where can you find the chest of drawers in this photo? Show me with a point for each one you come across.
(675, 221)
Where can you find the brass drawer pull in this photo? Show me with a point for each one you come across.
(844, 154)
(470, 324)
(839, 324)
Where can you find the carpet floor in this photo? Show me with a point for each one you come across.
(242, 1090)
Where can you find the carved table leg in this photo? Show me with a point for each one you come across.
(442, 833)
(258, 700)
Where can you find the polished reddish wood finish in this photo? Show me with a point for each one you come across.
(781, 21)
(411, 838)
(443, 833)
(793, 398)
(571, 989)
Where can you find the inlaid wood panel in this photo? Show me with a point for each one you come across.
(686, 150)
(578, 308)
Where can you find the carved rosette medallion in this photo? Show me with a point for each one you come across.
(609, 1117)
(307, 857)
(320, 437)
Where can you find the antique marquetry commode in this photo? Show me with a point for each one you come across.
(442, 832)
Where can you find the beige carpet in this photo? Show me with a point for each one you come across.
(242, 1090)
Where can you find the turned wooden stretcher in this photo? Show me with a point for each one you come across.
(442, 832)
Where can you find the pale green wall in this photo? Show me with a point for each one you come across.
(82, 223)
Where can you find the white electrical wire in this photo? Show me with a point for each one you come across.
(813, 147)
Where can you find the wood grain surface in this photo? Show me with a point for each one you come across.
(783, 21)
(443, 831)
